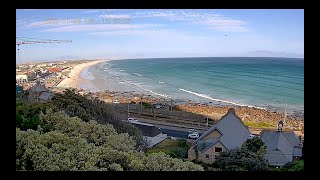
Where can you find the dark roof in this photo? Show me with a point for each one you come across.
(234, 132)
(147, 129)
(38, 87)
(281, 146)
(46, 96)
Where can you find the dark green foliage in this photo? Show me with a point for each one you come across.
(302, 151)
(255, 145)
(183, 143)
(87, 109)
(27, 115)
(249, 158)
(294, 166)
(146, 105)
(179, 152)
(74, 145)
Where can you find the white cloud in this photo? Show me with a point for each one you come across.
(124, 32)
(115, 16)
(100, 27)
(211, 20)
(214, 21)
(43, 23)
(91, 11)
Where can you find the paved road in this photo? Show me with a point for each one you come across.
(176, 133)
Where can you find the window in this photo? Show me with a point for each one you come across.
(207, 155)
(217, 149)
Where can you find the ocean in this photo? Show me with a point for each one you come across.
(269, 83)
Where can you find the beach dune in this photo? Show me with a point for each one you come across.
(74, 79)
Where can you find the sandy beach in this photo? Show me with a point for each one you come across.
(74, 79)
(254, 117)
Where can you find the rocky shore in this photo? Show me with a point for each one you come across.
(250, 116)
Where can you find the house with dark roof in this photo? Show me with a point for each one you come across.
(45, 96)
(152, 134)
(37, 90)
(226, 134)
(282, 147)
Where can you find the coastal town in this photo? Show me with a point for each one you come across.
(61, 75)
(160, 90)
(38, 82)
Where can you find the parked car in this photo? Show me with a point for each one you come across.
(193, 135)
(132, 120)
(116, 101)
(191, 130)
(158, 106)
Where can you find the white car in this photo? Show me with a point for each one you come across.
(116, 101)
(193, 135)
(132, 120)
(191, 130)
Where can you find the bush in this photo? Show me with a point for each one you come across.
(294, 166)
(27, 115)
(249, 158)
(73, 145)
(86, 108)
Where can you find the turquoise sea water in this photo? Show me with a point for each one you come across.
(255, 81)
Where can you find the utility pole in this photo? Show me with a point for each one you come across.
(207, 121)
(208, 115)
(128, 109)
(129, 102)
(140, 103)
(285, 116)
(171, 103)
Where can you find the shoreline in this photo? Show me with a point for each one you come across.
(74, 79)
(247, 113)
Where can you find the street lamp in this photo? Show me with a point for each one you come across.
(207, 116)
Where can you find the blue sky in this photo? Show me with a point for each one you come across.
(159, 33)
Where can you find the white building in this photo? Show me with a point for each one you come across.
(21, 78)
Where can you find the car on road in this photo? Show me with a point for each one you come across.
(116, 101)
(132, 120)
(193, 135)
(191, 130)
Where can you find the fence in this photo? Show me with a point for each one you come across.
(166, 115)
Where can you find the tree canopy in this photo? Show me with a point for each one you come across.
(76, 105)
(250, 157)
(63, 143)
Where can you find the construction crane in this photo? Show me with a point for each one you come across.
(26, 40)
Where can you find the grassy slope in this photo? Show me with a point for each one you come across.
(166, 146)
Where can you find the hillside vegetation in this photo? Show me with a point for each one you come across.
(74, 132)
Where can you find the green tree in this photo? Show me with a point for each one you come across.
(63, 143)
(250, 157)
(294, 166)
(88, 108)
(255, 145)
(27, 114)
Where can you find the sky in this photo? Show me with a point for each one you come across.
(148, 33)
